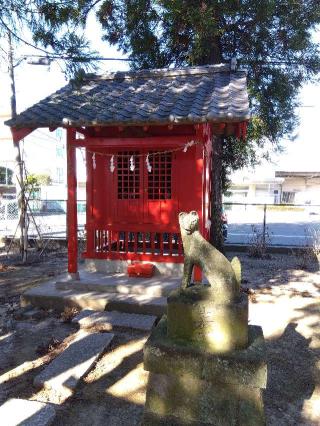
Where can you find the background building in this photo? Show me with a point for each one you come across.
(300, 187)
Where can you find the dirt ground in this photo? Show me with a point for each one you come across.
(284, 300)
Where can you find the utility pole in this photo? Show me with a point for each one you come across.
(23, 220)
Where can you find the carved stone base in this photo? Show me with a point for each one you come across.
(188, 386)
(195, 317)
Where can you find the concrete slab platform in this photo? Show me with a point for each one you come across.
(48, 296)
(22, 412)
(109, 320)
(157, 286)
(64, 372)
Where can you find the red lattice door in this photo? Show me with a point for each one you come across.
(159, 191)
(142, 195)
(128, 199)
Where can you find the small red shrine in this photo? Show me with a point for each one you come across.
(148, 137)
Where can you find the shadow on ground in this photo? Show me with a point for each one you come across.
(291, 379)
(113, 393)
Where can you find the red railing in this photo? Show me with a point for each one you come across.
(111, 243)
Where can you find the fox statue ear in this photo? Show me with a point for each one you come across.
(236, 266)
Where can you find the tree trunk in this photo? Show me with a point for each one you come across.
(216, 236)
(21, 196)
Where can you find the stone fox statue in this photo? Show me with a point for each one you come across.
(224, 277)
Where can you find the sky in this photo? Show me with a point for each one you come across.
(33, 83)
(305, 151)
(301, 154)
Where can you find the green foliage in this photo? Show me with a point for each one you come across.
(56, 28)
(271, 39)
(34, 181)
(236, 154)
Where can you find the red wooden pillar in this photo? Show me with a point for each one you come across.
(199, 184)
(72, 220)
(207, 184)
(89, 206)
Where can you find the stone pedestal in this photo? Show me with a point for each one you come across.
(194, 317)
(189, 385)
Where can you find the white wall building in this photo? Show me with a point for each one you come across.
(275, 187)
(300, 187)
(254, 186)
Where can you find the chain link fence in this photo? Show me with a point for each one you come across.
(284, 225)
(47, 230)
(274, 224)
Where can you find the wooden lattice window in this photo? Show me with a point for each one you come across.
(159, 180)
(128, 181)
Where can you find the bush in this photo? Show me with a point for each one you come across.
(258, 244)
(309, 255)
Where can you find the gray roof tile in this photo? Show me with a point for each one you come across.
(185, 95)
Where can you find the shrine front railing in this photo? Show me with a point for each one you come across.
(121, 243)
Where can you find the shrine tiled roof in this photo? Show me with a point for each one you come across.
(210, 93)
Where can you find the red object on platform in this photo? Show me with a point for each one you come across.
(144, 270)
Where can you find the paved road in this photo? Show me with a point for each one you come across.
(277, 233)
(285, 226)
(293, 228)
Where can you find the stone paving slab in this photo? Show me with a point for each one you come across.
(22, 412)
(108, 320)
(137, 304)
(156, 286)
(64, 372)
(48, 296)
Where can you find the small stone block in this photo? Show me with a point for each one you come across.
(194, 317)
(65, 371)
(22, 412)
(108, 320)
(241, 367)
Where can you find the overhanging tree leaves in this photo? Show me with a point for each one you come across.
(50, 26)
(272, 40)
(56, 29)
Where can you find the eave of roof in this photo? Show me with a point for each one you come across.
(297, 174)
(155, 97)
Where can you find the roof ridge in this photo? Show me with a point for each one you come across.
(161, 72)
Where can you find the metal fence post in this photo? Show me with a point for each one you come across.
(264, 224)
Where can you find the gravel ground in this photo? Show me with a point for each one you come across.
(284, 300)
